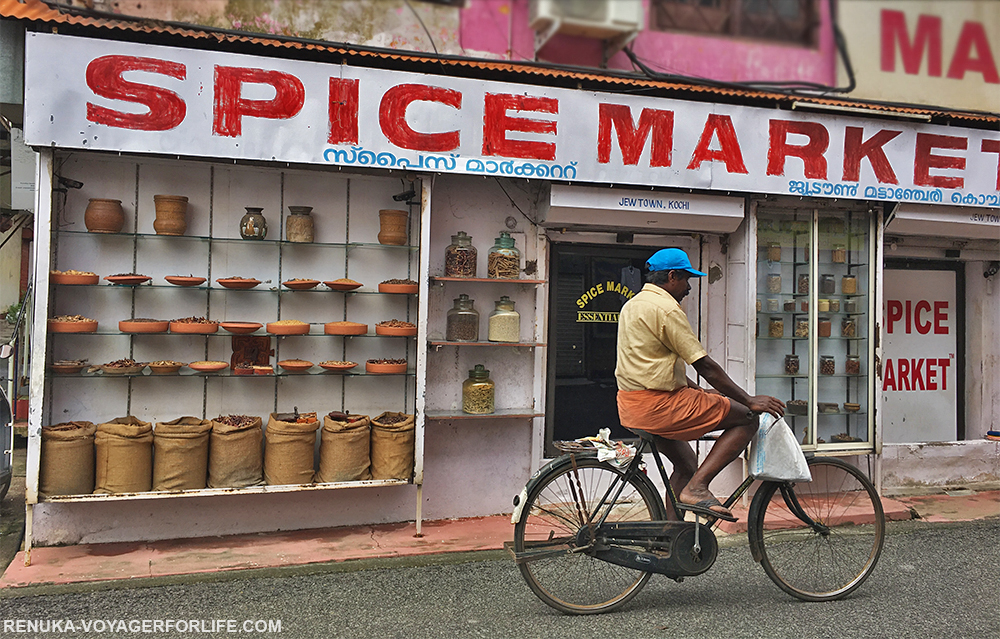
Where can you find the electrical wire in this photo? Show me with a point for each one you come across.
(421, 21)
(530, 221)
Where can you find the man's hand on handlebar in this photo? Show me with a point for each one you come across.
(767, 404)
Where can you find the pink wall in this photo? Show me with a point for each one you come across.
(500, 28)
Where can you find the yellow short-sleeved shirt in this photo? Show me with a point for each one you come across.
(655, 340)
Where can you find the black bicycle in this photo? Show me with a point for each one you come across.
(588, 535)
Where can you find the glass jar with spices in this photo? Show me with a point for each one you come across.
(802, 328)
(774, 282)
(791, 364)
(776, 327)
(827, 284)
(505, 322)
(827, 365)
(803, 284)
(853, 365)
(772, 305)
(823, 327)
(834, 305)
(503, 262)
(460, 256)
(774, 252)
(849, 284)
(789, 306)
(839, 254)
(823, 305)
(478, 392)
(849, 327)
(463, 321)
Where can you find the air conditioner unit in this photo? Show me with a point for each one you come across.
(601, 19)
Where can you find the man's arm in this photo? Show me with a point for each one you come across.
(720, 380)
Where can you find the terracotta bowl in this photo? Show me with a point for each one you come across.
(184, 280)
(128, 370)
(67, 369)
(238, 284)
(73, 280)
(130, 326)
(345, 328)
(343, 286)
(164, 370)
(396, 331)
(240, 328)
(295, 365)
(338, 366)
(72, 327)
(128, 280)
(194, 329)
(263, 370)
(301, 285)
(384, 369)
(409, 289)
(287, 329)
(208, 366)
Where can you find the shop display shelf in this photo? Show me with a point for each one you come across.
(440, 343)
(240, 240)
(188, 373)
(501, 413)
(491, 280)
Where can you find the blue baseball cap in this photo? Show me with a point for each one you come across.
(671, 259)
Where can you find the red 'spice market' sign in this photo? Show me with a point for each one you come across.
(116, 96)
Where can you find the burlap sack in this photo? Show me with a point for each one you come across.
(392, 447)
(180, 454)
(124, 449)
(289, 449)
(343, 450)
(67, 459)
(236, 455)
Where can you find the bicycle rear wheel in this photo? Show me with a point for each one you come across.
(828, 560)
(554, 518)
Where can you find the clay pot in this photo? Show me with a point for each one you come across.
(299, 225)
(104, 216)
(171, 214)
(253, 226)
(392, 226)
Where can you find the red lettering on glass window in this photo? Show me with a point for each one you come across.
(343, 111)
(894, 313)
(925, 160)
(392, 117)
(231, 107)
(940, 317)
(889, 377)
(993, 146)
(496, 124)
(810, 153)
(917, 373)
(856, 148)
(931, 375)
(944, 364)
(922, 327)
(927, 37)
(973, 36)
(632, 139)
(908, 316)
(721, 126)
(903, 374)
(166, 108)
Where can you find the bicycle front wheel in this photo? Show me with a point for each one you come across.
(831, 555)
(569, 578)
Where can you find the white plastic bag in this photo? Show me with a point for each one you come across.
(774, 453)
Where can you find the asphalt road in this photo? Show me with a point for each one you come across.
(934, 581)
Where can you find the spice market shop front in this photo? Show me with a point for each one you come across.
(410, 346)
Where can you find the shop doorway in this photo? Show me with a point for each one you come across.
(923, 374)
(589, 285)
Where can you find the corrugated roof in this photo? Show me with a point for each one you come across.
(39, 12)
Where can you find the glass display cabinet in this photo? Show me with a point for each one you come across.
(815, 295)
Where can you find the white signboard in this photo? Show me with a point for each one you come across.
(118, 96)
(920, 372)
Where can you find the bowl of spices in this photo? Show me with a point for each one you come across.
(406, 287)
(396, 328)
(287, 327)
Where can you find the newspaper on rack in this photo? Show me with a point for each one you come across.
(618, 453)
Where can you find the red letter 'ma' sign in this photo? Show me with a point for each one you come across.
(632, 139)
(230, 107)
(166, 108)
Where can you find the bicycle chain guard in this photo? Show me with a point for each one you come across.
(678, 559)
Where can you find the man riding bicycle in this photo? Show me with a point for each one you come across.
(655, 341)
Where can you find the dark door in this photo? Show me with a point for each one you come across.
(589, 285)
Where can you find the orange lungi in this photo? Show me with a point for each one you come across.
(685, 414)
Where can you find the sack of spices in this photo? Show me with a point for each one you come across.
(289, 448)
(344, 448)
(67, 459)
(124, 448)
(235, 452)
(180, 454)
(392, 446)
